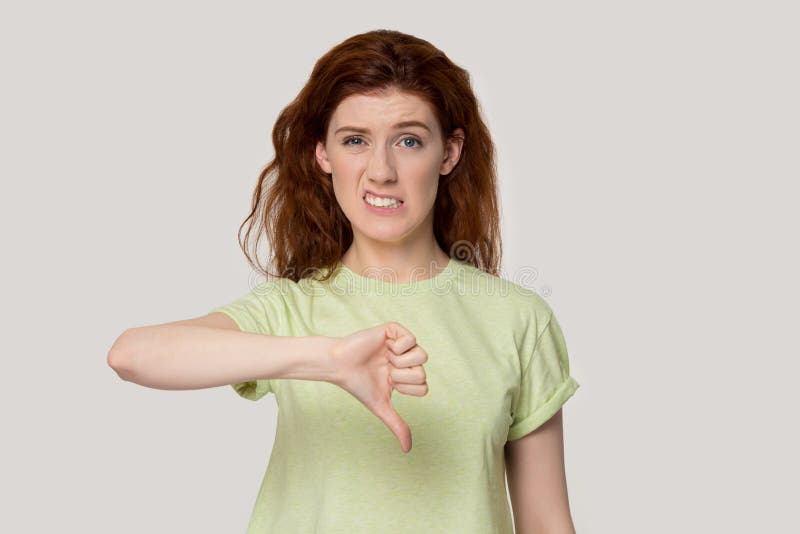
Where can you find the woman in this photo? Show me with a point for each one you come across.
(383, 163)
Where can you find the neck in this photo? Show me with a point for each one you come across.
(399, 264)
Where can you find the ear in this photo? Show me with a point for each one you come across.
(452, 152)
(322, 158)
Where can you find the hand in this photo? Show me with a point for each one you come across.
(373, 362)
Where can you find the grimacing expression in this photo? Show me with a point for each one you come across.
(389, 144)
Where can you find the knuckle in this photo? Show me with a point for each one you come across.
(392, 326)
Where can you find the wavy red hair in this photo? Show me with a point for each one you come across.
(293, 203)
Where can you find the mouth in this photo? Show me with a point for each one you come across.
(381, 201)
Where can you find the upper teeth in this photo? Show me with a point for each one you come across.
(382, 202)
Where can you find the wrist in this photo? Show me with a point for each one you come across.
(300, 358)
(328, 368)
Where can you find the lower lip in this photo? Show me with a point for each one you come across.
(383, 211)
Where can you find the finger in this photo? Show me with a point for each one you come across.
(411, 375)
(402, 344)
(395, 330)
(395, 423)
(414, 356)
(418, 390)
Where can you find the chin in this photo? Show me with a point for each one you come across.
(387, 237)
(388, 231)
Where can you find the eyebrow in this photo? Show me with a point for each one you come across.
(404, 124)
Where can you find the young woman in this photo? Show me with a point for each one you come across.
(382, 215)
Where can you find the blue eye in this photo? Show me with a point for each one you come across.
(347, 140)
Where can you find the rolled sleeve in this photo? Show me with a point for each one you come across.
(545, 382)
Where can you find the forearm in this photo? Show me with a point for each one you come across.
(195, 357)
(563, 527)
(537, 480)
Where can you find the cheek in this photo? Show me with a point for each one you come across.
(425, 179)
(340, 192)
(345, 189)
(346, 176)
(346, 168)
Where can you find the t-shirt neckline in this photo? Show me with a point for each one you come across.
(367, 284)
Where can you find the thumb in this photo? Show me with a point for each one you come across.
(395, 423)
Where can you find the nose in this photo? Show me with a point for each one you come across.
(380, 167)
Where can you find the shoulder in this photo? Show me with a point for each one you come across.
(513, 296)
(506, 303)
(270, 297)
(279, 289)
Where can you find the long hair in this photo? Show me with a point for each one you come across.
(294, 204)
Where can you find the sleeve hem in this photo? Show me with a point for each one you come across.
(546, 411)
(252, 389)
(231, 315)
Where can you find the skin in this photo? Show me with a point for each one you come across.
(405, 162)
(537, 480)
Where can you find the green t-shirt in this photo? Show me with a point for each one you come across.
(497, 368)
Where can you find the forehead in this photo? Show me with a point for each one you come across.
(382, 110)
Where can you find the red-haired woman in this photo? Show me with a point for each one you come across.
(381, 211)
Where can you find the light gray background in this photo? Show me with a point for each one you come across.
(648, 158)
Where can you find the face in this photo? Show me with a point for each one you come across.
(387, 145)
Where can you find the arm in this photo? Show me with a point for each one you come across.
(537, 480)
(211, 351)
